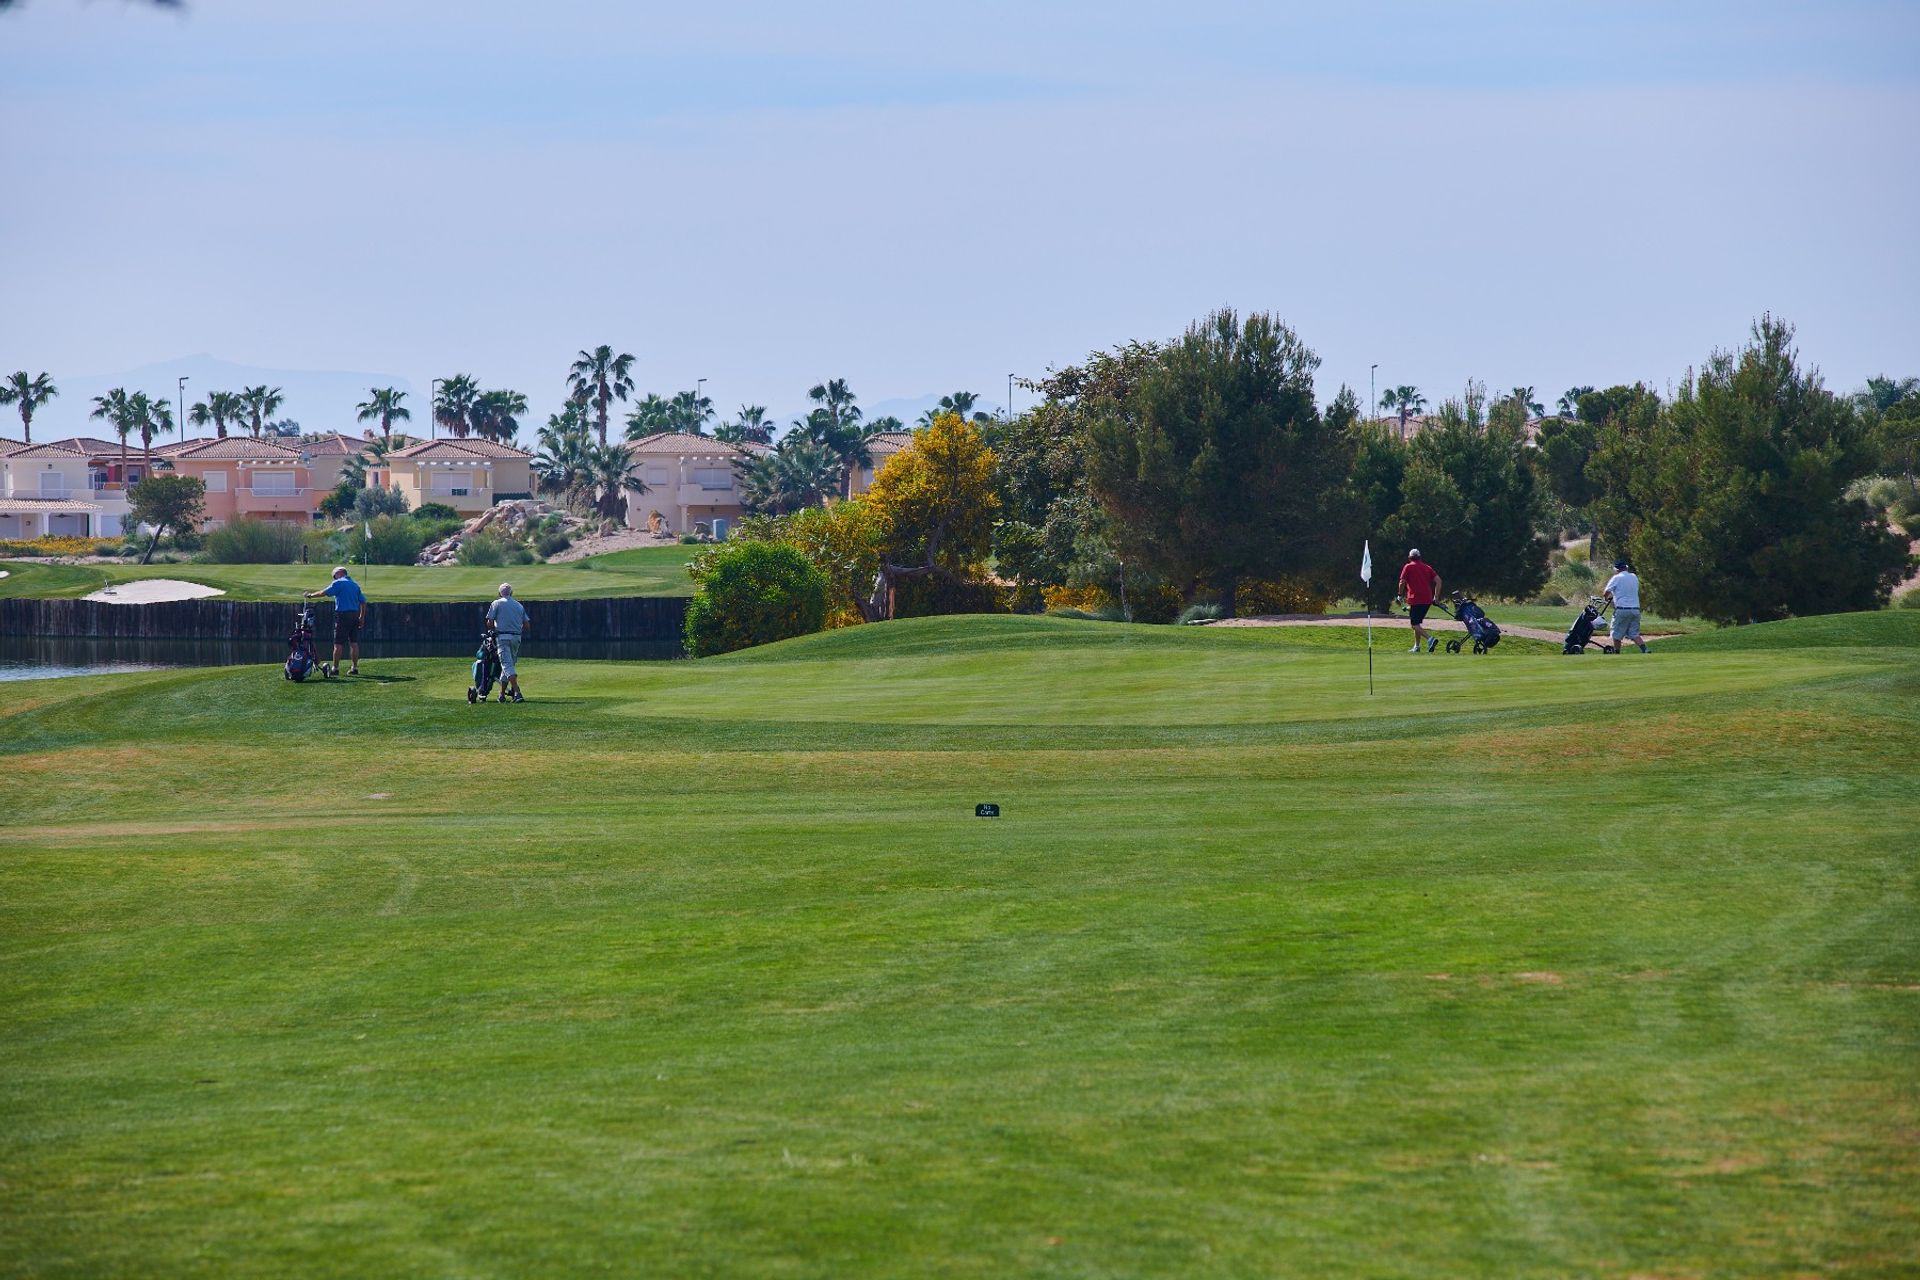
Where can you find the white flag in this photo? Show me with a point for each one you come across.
(367, 528)
(1366, 562)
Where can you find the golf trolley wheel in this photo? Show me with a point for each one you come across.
(470, 695)
(1478, 647)
(1453, 646)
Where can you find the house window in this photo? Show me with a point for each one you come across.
(53, 485)
(451, 484)
(713, 477)
(656, 475)
(96, 479)
(216, 481)
(272, 484)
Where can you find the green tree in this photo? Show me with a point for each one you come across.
(1463, 492)
(385, 406)
(1569, 403)
(753, 593)
(27, 393)
(1218, 466)
(935, 504)
(599, 377)
(260, 404)
(1738, 493)
(652, 414)
(166, 502)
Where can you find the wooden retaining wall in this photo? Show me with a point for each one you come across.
(612, 619)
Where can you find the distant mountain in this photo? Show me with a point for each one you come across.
(319, 400)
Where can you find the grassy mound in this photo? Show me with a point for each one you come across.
(1888, 628)
(1529, 968)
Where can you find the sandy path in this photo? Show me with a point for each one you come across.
(154, 591)
(625, 540)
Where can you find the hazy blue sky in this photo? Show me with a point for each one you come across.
(924, 197)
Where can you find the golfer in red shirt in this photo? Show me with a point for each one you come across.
(1419, 587)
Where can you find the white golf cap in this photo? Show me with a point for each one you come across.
(1414, 554)
(340, 571)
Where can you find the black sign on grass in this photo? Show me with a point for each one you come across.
(986, 811)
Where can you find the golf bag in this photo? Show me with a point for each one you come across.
(1481, 631)
(486, 666)
(1580, 634)
(301, 658)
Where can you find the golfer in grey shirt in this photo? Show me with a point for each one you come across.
(509, 619)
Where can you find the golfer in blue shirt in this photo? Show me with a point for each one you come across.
(349, 610)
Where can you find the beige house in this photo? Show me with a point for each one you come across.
(468, 475)
(882, 447)
(327, 455)
(690, 481)
(46, 489)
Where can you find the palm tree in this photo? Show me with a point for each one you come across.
(836, 399)
(1407, 400)
(650, 416)
(1523, 396)
(601, 377)
(454, 409)
(216, 410)
(749, 426)
(261, 403)
(690, 412)
(960, 403)
(799, 473)
(1882, 392)
(150, 417)
(1569, 404)
(113, 408)
(384, 404)
(608, 473)
(495, 415)
(29, 394)
(373, 453)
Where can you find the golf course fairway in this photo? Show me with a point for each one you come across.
(1521, 966)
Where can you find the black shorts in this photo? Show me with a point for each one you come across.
(1418, 612)
(346, 628)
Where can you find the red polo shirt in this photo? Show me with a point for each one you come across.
(1416, 582)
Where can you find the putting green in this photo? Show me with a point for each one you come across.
(1524, 966)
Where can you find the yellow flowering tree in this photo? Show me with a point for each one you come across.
(935, 504)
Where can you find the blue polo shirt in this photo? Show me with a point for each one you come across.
(347, 595)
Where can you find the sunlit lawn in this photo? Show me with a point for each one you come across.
(1522, 966)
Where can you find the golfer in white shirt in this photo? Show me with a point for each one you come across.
(1623, 593)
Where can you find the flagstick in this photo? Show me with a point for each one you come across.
(1369, 648)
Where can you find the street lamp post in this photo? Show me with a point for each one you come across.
(1373, 405)
(697, 384)
(1009, 397)
(180, 389)
(433, 407)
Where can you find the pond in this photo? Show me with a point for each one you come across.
(28, 658)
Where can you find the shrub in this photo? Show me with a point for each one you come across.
(63, 545)
(754, 593)
(435, 528)
(370, 504)
(484, 548)
(690, 539)
(250, 541)
(395, 540)
(1908, 600)
(1205, 612)
(339, 503)
(1278, 595)
(435, 511)
(1906, 511)
(551, 543)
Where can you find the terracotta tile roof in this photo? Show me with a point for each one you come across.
(88, 446)
(8, 446)
(46, 504)
(48, 449)
(443, 450)
(335, 444)
(234, 449)
(678, 444)
(888, 443)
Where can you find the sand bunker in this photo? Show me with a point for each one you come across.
(154, 591)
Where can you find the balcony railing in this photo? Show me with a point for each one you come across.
(273, 493)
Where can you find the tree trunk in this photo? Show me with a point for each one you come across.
(1593, 546)
(1228, 595)
(153, 542)
(26, 422)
